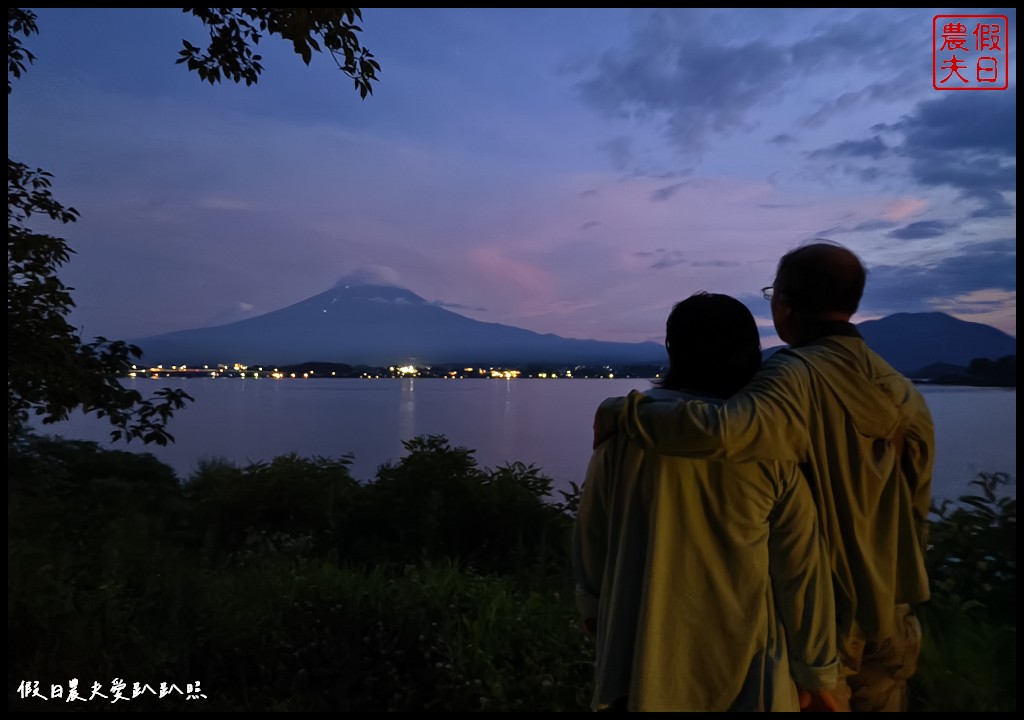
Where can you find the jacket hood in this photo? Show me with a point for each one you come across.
(872, 392)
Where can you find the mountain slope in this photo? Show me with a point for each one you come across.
(380, 325)
(911, 341)
(386, 325)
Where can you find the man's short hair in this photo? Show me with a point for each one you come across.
(821, 278)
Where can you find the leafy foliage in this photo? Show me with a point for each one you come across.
(438, 500)
(234, 32)
(287, 586)
(983, 372)
(298, 502)
(281, 585)
(973, 549)
(51, 370)
(969, 653)
(19, 22)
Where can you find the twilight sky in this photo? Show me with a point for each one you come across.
(565, 171)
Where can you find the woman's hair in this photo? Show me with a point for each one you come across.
(713, 345)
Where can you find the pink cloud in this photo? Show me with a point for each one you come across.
(904, 208)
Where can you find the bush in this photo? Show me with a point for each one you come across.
(969, 653)
(438, 586)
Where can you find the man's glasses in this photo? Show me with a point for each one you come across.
(768, 292)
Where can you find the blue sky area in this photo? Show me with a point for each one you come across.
(566, 171)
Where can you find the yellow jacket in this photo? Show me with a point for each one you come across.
(708, 580)
(865, 438)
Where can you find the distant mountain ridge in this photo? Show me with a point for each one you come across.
(381, 325)
(386, 325)
(912, 341)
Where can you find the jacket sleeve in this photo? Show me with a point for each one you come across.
(802, 586)
(917, 460)
(590, 536)
(767, 420)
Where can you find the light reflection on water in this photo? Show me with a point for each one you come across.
(544, 422)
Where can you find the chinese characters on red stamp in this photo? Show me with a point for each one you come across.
(970, 52)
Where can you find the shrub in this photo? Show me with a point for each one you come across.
(969, 653)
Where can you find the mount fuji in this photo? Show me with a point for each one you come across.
(380, 325)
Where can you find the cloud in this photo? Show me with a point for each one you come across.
(237, 311)
(668, 259)
(872, 226)
(686, 71)
(922, 229)
(716, 263)
(856, 158)
(589, 225)
(888, 91)
(963, 141)
(904, 208)
(986, 266)
(997, 308)
(501, 269)
(457, 306)
(700, 88)
(662, 194)
(619, 152)
(873, 148)
(783, 139)
(371, 275)
(229, 204)
(968, 142)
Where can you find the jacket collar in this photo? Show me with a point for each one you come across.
(822, 329)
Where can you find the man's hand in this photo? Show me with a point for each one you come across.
(606, 419)
(820, 700)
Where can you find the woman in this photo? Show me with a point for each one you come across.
(703, 582)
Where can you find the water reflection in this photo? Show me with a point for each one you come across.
(407, 409)
(544, 422)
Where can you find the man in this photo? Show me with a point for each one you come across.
(704, 583)
(865, 438)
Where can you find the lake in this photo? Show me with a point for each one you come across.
(544, 422)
